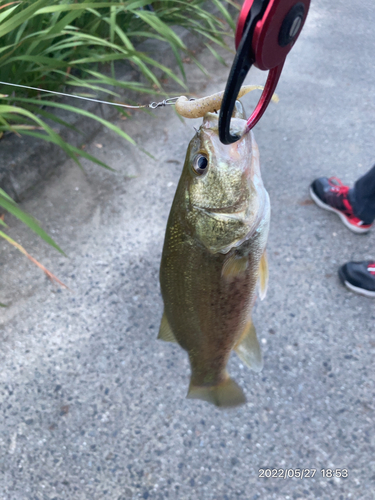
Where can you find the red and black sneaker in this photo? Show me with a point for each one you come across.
(332, 195)
(359, 277)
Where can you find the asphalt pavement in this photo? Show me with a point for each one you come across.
(93, 407)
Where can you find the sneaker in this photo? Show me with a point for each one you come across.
(332, 195)
(359, 277)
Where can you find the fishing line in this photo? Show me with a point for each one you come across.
(153, 105)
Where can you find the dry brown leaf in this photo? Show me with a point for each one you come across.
(19, 247)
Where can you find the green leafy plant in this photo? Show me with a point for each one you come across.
(59, 43)
(73, 44)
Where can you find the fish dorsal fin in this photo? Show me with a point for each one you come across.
(263, 276)
(248, 348)
(165, 331)
(234, 266)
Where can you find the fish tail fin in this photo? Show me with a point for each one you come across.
(225, 394)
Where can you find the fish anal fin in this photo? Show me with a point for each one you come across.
(234, 266)
(165, 331)
(224, 395)
(263, 276)
(248, 348)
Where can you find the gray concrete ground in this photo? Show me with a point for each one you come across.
(93, 407)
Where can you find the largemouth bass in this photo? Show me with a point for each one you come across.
(213, 257)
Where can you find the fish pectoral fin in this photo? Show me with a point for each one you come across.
(248, 348)
(223, 395)
(165, 331)
(234, 266)
(263, 276)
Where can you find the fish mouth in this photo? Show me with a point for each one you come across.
(238, 207)
(223, 212)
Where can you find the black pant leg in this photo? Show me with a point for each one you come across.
(362, 197)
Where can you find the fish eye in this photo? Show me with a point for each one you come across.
(200, 164)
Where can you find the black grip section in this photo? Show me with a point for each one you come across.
(241, 65)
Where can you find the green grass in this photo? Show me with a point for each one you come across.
(71, 45)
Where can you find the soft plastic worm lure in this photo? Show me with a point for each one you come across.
(199, 107)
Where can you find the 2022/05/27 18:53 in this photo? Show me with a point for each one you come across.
(302, 473)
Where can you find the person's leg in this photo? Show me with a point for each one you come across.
(362, 197)
(356, 208)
